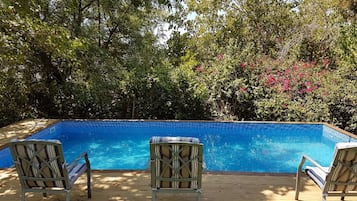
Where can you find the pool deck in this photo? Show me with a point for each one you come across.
(23, 129)
(135, 185)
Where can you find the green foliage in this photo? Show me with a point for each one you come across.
(13, 98)
(239, 60)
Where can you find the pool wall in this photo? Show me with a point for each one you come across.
(333, 133)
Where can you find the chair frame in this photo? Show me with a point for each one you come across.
(175, 149)
(329, 183)
(33, 168)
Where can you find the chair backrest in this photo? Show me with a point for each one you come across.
(40, 164)
(342, 174)
(176, 162)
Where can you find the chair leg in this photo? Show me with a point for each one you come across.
(297, 186)
(68, 195)
(153, 196)
(89, 191)
(199, 196)
(23, 195)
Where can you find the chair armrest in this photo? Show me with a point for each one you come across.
(299, 173)
(204, 166)
(84, 156)
(307, 158)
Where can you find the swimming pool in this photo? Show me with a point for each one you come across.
(228, 146)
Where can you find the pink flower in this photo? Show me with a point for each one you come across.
(306, 65)
(308, 84)
(309, 89)
(326, 62)
(220, 56)
(286, 85)
(199, 69)
(243, 89)
(296, 67)
(242, 65)
(271, 80)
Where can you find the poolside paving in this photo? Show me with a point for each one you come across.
(22, 129)
(135, 186)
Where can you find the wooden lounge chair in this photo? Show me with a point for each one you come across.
(176, 165)
(41, 167)
(340, 179)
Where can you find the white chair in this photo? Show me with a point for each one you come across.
(41, 167)
(176, 165)
(339, 179)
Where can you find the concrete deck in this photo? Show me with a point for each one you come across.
(135, 186)
(23, 129)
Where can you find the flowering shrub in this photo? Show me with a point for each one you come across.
(297, 79)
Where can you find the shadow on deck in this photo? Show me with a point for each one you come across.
(135, 186)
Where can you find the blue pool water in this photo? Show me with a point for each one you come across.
(228, 146)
